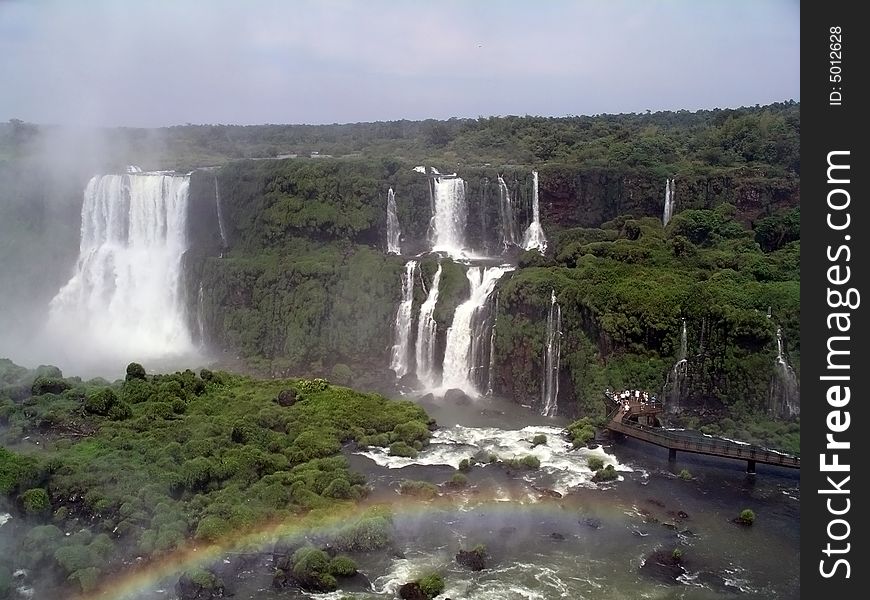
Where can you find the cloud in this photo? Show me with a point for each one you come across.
(164, 62)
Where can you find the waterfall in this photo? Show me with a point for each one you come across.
(200, 317)
(506, 213)
(467, 348)
(676, 380)
(220, 214)
(784, 388)
(424, 352)
(400, 360)
(125, 296)
(534, 236)
(393, 230)
(489, 386)
(449, 215)
(552, 358)
(669, 201)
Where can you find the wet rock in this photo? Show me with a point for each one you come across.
(426, 398)
(663, 566)
(199, 585)
(557, 536)
(474, 559)
(590, 522)
(655, 502)
(412, 591)
(286, 397)
(682, 514)
(547, 493)
(456, 396)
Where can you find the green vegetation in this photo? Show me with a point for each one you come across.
(677, 555)
(342, 566)
(595, 463)
(431, 585)
(539, 440)
(229, 460)
(747, 516)
(464, 465)
(685, 475)
(581, 432)
(419, 489)
(608, 473)
(528, 462)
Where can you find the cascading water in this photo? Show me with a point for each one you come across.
(784, 388)
(467, 348)
(489, 385)
(200, 316)
(534, 236)
(449, 215)
(220, 213)
(669, 202)
(676, 380)
(124, 299)
(424, 351)
(401, 354)
(551, 359)
(509, 233)
(393, 230)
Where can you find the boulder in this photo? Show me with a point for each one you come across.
(412, 591)
(474, 559)
(286, 397)
(199, 585)
(456, 396)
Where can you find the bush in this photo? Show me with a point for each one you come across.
(342, 566)
(419, 489)
(685, 475)
(36, 501)
(677, 555)
(595, 463)
(458, 480)
(539, 440)
(402, 449)
(311, 570)
(99, 403)
(119, 411)
(581, 432)
(135, 371)
(431, 585)
(49, 385)
(747, 516)
(529, 462)
(366, 535)
(338, 488)
(464, 465)
(606, 474)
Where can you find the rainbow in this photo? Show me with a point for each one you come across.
(199, 555)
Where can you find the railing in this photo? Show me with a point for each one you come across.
(675, 441)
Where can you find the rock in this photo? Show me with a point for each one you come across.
(456, 396)
(412, 591)
(474, 559)
(655, 502)
(199, 585)
(426, 398)
(557, 536)
(546, 492)
(682, 514)
(663, 566)
(286, 397)
(590, 522)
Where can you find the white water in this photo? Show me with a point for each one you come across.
(784, 391)
(200, 317)
(534, 236)
(449, 215)
(566, 466)
(669, 201)
(468, 335)
(401, 354)
(677, 376)
(424, 352)
(506, 214)
(489, 382)
(220, 213)
(551, 360)
(124, 299)
(393, 230)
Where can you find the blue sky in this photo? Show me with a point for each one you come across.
(166, 62)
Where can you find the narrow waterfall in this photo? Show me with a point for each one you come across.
(491, 374)
(401, 354)
(449, 215)
(220, 213)
(200, 316)
(676, 380)
(669, 202)
(784, 387)
(551, 359)
(506, 214)
(534, 236)
(125, 295)
(467, 349)
(424, 351)
(393, 230)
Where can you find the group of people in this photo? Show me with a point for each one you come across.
(625, 398)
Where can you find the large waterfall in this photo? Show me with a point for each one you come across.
(467, 348)
(393, 230)
(506, 214)
(124, 299)
(784, 390)
(676, 380)
(449, 215)
(551, 359)
(534, 236)
(669, 202)
(401, 355)
(424, 352)
(220, 213)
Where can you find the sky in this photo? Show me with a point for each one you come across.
(170, 62)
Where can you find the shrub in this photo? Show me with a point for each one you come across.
(119, 411)
(608, 473)
(36, 501)
(410, 432)
(135, 371)
(99, 402)
(677, 555)
(431, 585)
(458, 480)
(464, 465)
(311, 569)
(49, 385)
(747, 516)
(342, 566)
(529, 462)
(419, 489)
(367, 534)
(402, 449)
(338, 488)
(685, 475)
(581, 432)
(539, 440)
(595, 463)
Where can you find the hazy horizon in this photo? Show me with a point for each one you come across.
(339, 62)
